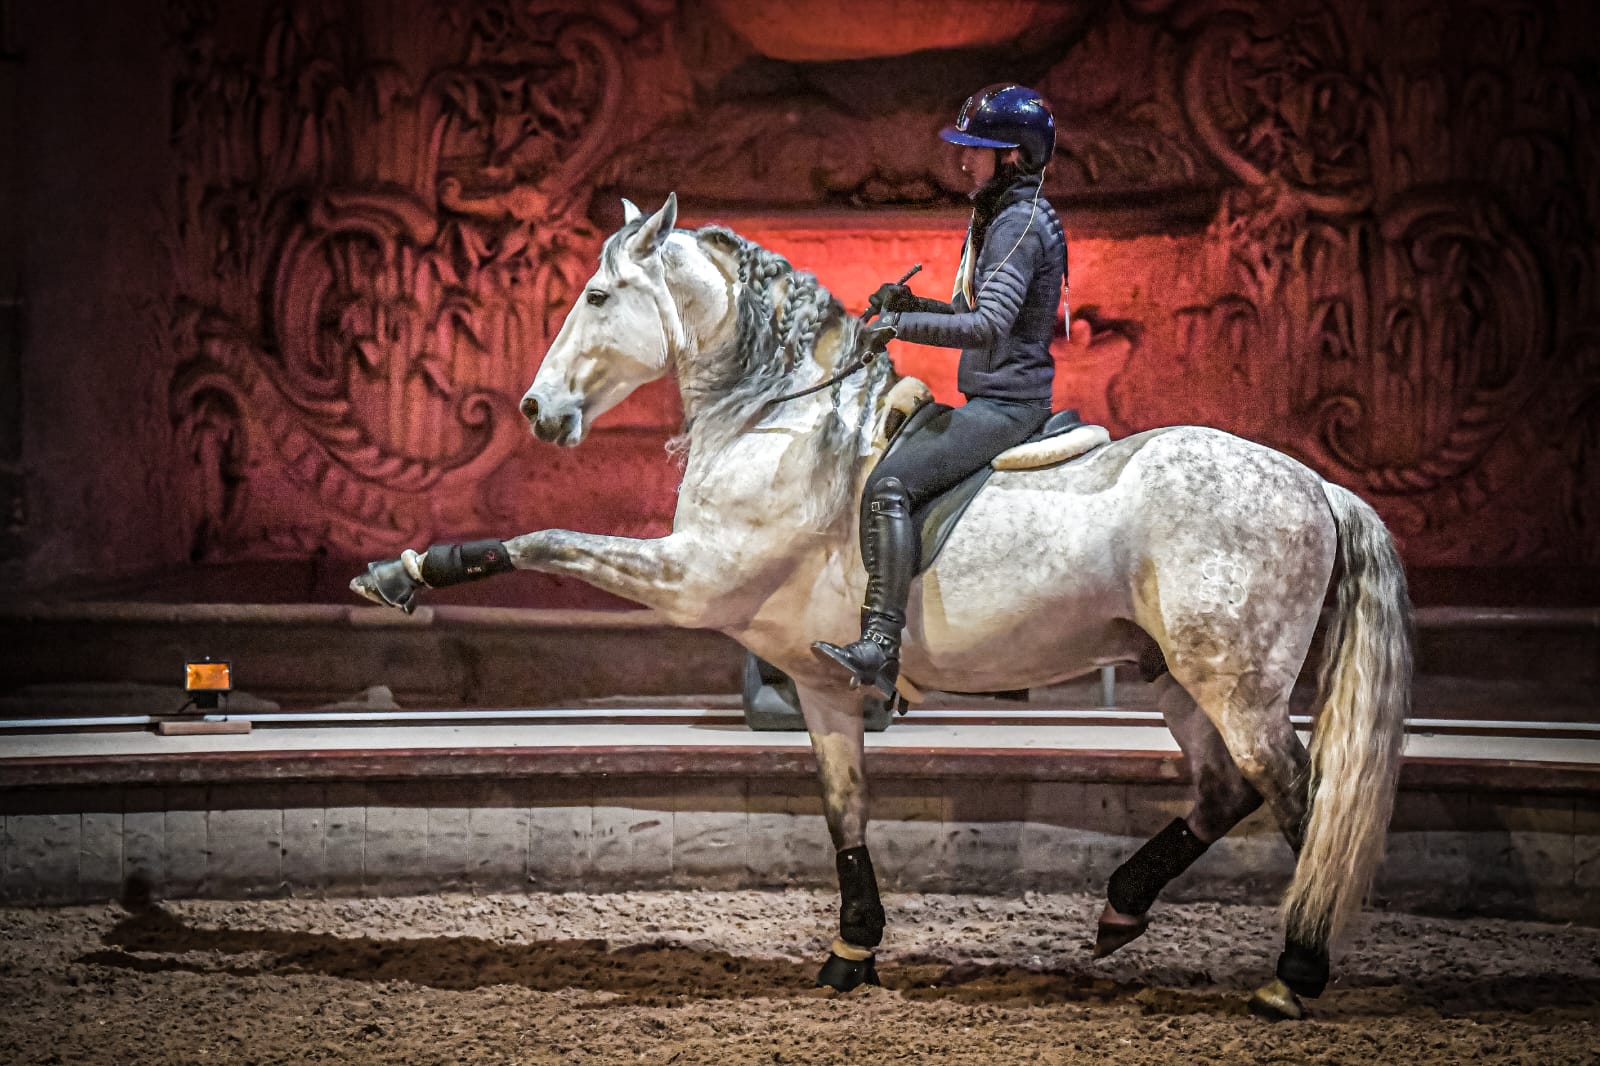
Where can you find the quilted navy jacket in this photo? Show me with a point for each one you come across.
(1004, 335)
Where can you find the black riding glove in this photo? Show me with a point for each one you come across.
(887, 298)
(894, 296)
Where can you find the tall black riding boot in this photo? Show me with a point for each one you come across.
(889, 550)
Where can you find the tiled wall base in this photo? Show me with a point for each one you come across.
(1450, 852)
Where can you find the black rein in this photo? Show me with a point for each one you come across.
(877, 343)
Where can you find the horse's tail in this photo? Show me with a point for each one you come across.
(1365, 693)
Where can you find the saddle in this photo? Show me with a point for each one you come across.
(1063, 437)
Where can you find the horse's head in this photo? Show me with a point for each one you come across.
(623, 331)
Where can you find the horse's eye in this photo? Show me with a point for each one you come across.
(596, 297)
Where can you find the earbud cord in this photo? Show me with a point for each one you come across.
(1034, 210)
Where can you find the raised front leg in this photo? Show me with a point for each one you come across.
(833, 718)
(396, 582)
(650, 572)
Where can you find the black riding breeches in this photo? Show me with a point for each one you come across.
(956, 442)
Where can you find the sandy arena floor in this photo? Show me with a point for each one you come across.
(725, 978)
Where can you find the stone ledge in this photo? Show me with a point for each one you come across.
(307, 655)
(451, 655)
(1567, 618)
(330, 614)
(1110, 767)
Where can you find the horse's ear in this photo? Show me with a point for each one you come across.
(655, 230)
(630, 211)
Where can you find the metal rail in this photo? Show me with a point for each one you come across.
(647, 714)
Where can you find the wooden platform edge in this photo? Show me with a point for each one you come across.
(175, 727)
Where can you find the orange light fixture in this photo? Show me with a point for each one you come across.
(206, 681)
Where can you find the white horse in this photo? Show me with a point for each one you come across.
(1185, 544)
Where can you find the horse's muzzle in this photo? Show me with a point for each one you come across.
(561, 427)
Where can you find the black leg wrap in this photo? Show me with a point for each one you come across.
(1136, 883)
(451, 564)
(845, 974)
(1303, 968)
(861, 918)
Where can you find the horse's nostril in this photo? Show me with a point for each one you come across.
(530, 408)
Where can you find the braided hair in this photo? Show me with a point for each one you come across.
(781, 314)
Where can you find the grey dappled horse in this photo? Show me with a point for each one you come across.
(1185, 544)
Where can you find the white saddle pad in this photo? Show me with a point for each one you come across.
(1052, 450)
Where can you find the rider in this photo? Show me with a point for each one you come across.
(1002, 315)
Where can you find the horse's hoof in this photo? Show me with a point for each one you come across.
(362, 586)
(844, 974)
(1276, 1002)
(1113, 935)
(388, 583)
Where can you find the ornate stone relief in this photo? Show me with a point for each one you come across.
(380, 218)
(369, 254)
(1402, 279)
(832, 134)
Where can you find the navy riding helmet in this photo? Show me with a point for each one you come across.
(1006, 116)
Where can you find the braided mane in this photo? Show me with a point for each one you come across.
(780, 314)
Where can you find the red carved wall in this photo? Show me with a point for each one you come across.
(291, 266)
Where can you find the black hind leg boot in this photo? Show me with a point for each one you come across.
(889, 550)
